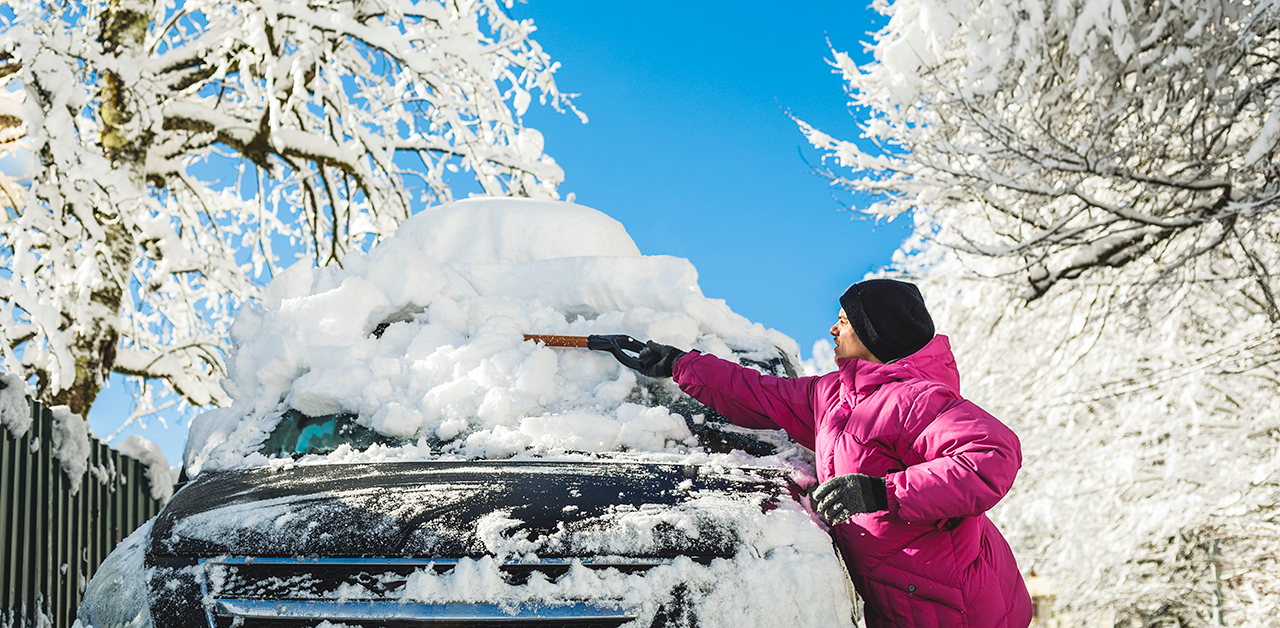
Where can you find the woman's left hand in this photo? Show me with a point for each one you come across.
(844, 496)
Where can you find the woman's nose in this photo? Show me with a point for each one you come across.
(835, 329)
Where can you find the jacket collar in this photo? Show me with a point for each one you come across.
(933, 362)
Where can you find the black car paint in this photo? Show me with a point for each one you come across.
(394, 510)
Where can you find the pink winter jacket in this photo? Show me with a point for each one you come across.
(933, 559)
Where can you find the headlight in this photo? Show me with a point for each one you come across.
(117, 595)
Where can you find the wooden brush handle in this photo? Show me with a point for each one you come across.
(558, 341)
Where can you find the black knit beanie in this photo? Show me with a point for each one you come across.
(889, 317)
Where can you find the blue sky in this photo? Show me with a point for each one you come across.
(690, 147)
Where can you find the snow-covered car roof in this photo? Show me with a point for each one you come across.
(420, 343)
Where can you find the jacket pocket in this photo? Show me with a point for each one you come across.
(900, 598)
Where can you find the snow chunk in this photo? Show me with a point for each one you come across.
(71, 444)
(15, 410)
(396, 420)
(159, 473)
(649, 429)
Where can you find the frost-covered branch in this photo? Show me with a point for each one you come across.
(1163, 115)
(178, 141)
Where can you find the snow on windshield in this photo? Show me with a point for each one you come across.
(422, 339)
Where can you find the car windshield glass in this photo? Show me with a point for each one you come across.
(298, 433)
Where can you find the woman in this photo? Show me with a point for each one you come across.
(906, 466)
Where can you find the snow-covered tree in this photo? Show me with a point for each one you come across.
(1095, 196)
(177, 141)
(1070, 136)
(10, 131)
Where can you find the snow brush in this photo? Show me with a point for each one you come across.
(617, 344)
(709, 430)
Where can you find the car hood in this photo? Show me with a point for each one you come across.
(459, 509)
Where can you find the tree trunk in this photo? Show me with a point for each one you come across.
(96, 339)
(124, 28)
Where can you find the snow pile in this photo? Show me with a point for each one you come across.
(422, 339)
(15, 411)
(160, 475)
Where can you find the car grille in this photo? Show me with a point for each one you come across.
(297, 592)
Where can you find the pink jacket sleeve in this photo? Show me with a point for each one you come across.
(747, 397)
(970, 460)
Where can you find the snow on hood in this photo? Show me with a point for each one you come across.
(448, 373)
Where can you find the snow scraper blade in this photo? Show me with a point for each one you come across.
(617, 344)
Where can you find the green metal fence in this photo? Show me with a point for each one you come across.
(51, 541)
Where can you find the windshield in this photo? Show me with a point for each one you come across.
(298, 434)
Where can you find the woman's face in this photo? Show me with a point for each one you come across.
(848, 345)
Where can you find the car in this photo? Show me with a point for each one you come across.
(399, 452)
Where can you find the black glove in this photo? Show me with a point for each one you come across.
(618, 345)
(844, 496)
(652, 359)
(659, 360)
